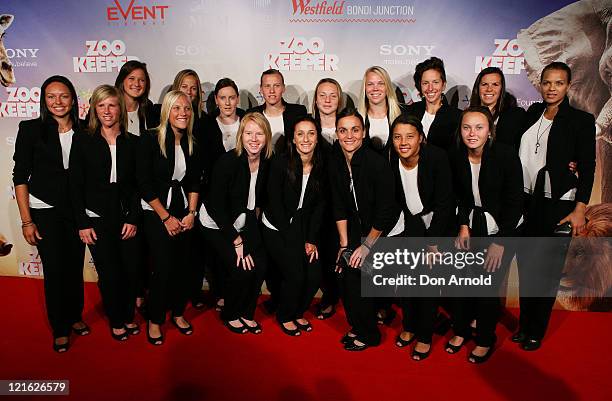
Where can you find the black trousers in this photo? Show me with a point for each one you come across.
(214, 270)
(117, 262)
(540, 264)
(360, 311)
(299, 279)
(328, 250)
(242, 287)
(169, 284)
(485, 306)
(62, 254)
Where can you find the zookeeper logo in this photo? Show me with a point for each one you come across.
(301, 54)
(129, 13)
(21, 102)
(508, 56)
(33, 267)
(102, 56)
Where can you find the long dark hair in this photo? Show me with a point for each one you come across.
(503, 101)
(293, 157)
(484, 111)
(126, 70)
(45, 114)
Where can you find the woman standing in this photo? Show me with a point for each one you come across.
(326, 104)
(362, 191)
(134, 83)
(229, 215)
(104, 194)
(292, 223)
(439, 119)
(40, 176)
(490, 91)
(379, 106)
(169, 180)
(423, 188)
(557, 135)
(488, 186)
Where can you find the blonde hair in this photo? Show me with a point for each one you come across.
(178, 80)
(393, 108)
(100, 94)
(315, 109)
(169, 100)
(262, 122)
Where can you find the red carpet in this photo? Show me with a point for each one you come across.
(215, 364)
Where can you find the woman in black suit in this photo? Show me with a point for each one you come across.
(488, 186)
(439, 119)
(106, 204)
(169, 180)
(364, 206)
(490, 91)
(220, 129)
(292, 223)
(379, 106)
(40, 177)
(229, 215)
(557, 135)
(423, 188)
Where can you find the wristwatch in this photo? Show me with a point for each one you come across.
(194, 212)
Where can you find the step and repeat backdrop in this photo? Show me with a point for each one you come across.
(305, 39)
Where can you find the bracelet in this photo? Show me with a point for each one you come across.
(26, 223)
(166, 218)
(194, 212)
(369, 247)
(238, 245)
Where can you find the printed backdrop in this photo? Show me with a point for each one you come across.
(307, 40)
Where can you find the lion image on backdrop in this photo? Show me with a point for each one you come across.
(587, 275)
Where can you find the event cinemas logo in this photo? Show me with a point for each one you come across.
(130, 13)
(301, 54)
(307, 7)
(102, 56)
(508, 56)
(21, 102)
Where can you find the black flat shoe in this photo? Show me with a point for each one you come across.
(454, 348)
(293, 333)
(325, 315)
(119, 337)
(304, 327)
(218, 306)
(255, 329)
(83, 331)
(133, 331)
(401, 343)
(155, 340)
(184, 330)
(531, 344)
(481, 359)
(518, 337)
(60, 348)
(388, 319)
(354, 347)
(420, 355)
(238, 330)
(346, 339)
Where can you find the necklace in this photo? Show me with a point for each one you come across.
(540, 134)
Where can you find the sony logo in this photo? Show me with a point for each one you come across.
(405, 50)
(22, 53)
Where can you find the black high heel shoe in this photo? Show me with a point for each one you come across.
(293, 333)
(325, 315)
(531, 344)
(455, 348)
(304, 327)
(346, 339)
(133, 331)
(420, 355)
(238, 330)
(83, 331)
(60, 348)
(187, 331)
(255, 329)
(155, 340)
(518, 337)
(480, 359)
(401, 343)
(388, 318)
(119, 337)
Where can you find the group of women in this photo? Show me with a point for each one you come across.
(296, 200)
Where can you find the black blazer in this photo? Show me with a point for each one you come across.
(378, 147)
(510, 126)
(229, 193)
(39, 163)
(284, 196)
(152, 114)
(154, 171)
(291, 113)
(435, 187)
(500, 184)
(571, 138)
(90, 168)
(443, 130)
(374, 190)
